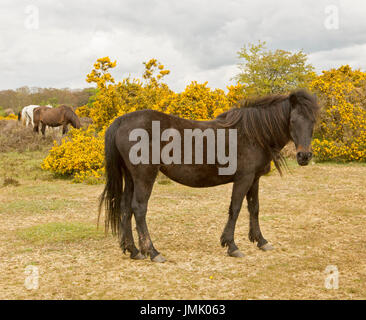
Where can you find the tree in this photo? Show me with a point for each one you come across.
(267, 72)
(21, 97)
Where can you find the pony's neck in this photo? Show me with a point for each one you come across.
(278, 142)
(281, 144)
(284, 143)
(284, 140)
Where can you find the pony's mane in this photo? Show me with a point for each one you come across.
(265, 121)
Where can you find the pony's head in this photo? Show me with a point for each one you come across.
(77, 123)
(71, 116)
(74, 119)
(303, 114)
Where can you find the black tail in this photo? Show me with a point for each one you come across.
(112, 193)
(19, 115)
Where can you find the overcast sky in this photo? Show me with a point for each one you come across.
(196, 40)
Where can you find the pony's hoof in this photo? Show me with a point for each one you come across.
(237, 254)
(138, 256)
(266, 247)
(159, 258)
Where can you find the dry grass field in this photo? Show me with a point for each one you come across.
(315, 216)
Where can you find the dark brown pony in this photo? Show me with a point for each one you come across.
(55, 117)
(264, 126)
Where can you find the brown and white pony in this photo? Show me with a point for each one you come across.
(55, 117)
(26, 115)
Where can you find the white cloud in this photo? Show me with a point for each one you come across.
(333, 58)
(196, 40)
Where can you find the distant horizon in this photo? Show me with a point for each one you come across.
(35, 87)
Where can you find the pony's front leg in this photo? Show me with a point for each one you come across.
(64, 129)
(36, 127)
(255, 233)
(240, 189)
(43, 129)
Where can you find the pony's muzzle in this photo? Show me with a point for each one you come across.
(303, 158)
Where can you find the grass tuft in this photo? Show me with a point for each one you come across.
(59, 232)
(9, 181)
(163, 179)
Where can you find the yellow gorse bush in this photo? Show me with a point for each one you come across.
(341, 134)
(115, 99)
(80, 154)
(197, 101)
(9, 117)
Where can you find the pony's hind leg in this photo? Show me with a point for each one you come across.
(142, 190)
(65, 129)
(28, 120)
(127, 242)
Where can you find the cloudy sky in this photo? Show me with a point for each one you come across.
(55, 43)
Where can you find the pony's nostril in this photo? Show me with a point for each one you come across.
(300, 155)
(304, 156)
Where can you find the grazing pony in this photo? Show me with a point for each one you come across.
(26, 115)
(264, 126)
(55, 117)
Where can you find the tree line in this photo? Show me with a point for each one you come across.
(18, 98)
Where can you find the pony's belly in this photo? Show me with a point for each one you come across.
(197, 176)
(53, 124)
(49, 121)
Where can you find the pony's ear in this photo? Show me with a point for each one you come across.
(293, 99)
